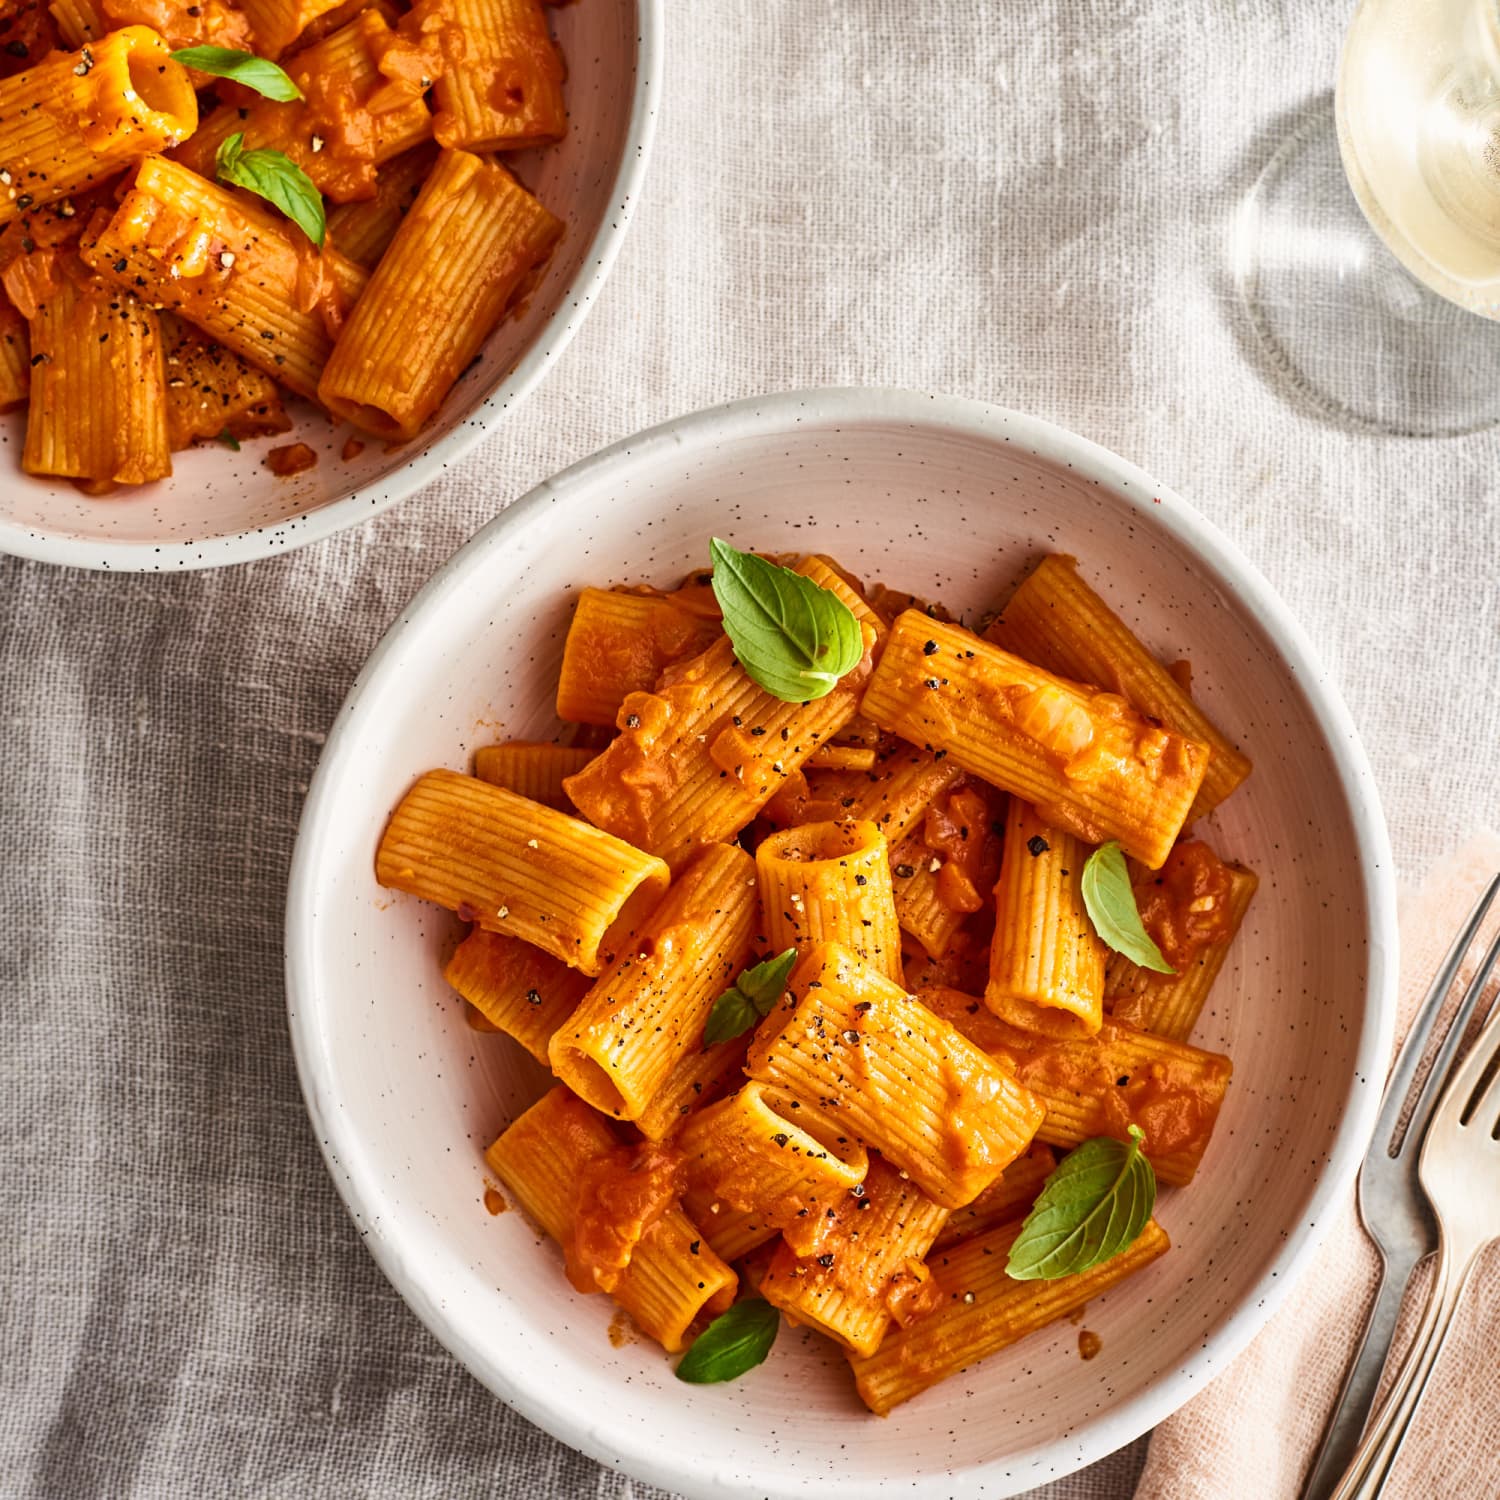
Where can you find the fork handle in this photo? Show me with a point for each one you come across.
(1367, 1474)
(1362, 1383)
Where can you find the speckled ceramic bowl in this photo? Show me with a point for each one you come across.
(222, 507)
(949, 498)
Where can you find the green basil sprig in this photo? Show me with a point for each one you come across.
(734, 1342)
(1111, 907)
(277, 179)
(1094, 1205)
(241, 67)
(794, 638)
(749, 1000)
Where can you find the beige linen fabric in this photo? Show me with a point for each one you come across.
(1027, 202)
(1255, 1430)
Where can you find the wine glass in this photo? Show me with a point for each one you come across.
(1367, 254)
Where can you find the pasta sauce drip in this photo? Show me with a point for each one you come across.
(1185, 904)
(621, 1195)
(957, 830)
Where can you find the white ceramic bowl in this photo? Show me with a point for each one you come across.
(222, 507)
(949, 498)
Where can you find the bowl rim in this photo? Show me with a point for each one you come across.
(575, 301)
(635, 1452)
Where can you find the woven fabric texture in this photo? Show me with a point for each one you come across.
(1029, 203)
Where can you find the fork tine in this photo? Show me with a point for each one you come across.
(1455, 1102)
(1399, 1084)
(1438, 1075)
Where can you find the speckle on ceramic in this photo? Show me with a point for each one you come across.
(949, 498)
(223, 507)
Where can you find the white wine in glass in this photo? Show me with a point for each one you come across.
(1418, 107)
(1387, 317)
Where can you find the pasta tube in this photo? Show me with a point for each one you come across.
(699, 757)
(895, 1076)
(620, 642)
(499, 87)
(79, 21)
(647, 1009)
(98, 407)
(830, 882)
(251, 281)
(518, 989)
(517, 867)
(920, 908)
(1046, 961)
(1194, 905)
(1086, 760)
(278, 23)
(868, 1268)
(15, 357)
(671, 1276)
(77, 118)
(760, 1162)
(1057, 621)
(699, 1076)
(463, 253)
(982, 1310)
(531, 770)
(364, 230)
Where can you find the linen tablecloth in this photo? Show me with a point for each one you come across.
(1028, 203)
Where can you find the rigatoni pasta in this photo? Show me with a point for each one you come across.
(1084, 759)
(698, 757)
(98, 376)
(1046, 961)
(79, 117)
(620, 641)
(811, 1112)
(868, 1269)
(981, 1311)
(647, 1010)
(517, 867)
(831, 883)
(900, 1077)
(467, 246)
(762, 1162)
(531, 769)
(518, 989)
(499, 84)
(1192, 908)
(228, 266)
(671, 1276)
(1057, 621)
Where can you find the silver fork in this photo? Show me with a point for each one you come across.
(1392, 1206)
(1460, 1172)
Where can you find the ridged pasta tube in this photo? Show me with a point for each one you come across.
(1085, 759)
(895, 1076)
(830, 883)
(646, 1011)
(517, 867)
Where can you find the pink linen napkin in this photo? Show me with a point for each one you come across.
(1252, 1434)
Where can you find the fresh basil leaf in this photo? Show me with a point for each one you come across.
(749, 1000)
(794, 638)
(1094, 1205)
(277, 179)
(1112, 909)
(734, 1342)
(241, 67)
